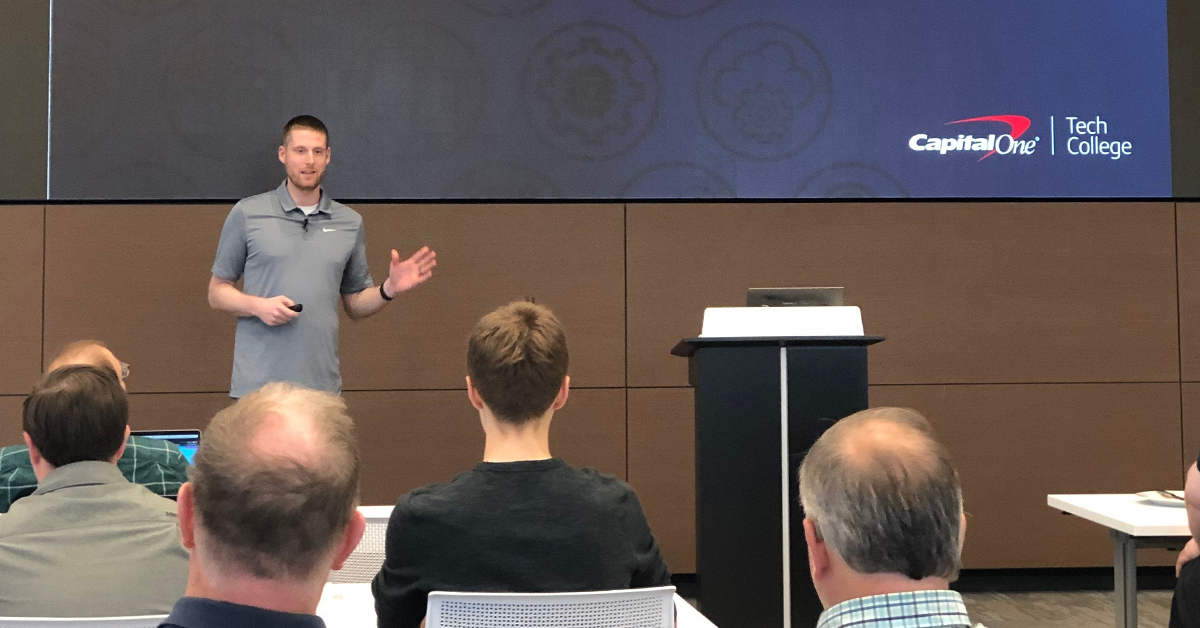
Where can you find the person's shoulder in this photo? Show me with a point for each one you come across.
(345, 212)
(604, 485)
(256, 204)
(14, 457)
(151, 504)
(436, 498)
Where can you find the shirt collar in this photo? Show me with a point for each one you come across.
(84, 473)
(915, 609)
(196, 612)
(287, 204)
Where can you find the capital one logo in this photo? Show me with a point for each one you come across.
(1006, 142)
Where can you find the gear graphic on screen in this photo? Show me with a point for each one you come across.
(591, 91)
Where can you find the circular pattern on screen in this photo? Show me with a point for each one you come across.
(678, 179)
(502, 181)
(506, 8)
(764, 91)
(414, 89)
(591, 90)
(229, 89)
(677, 8)
(851, 180)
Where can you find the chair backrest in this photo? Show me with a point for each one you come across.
(627, 608)
(366, 559)
(134, 621)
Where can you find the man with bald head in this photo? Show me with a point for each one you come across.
(883, 523)
(156, 464)
(271, 507)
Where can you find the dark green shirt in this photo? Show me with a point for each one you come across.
(156, 464)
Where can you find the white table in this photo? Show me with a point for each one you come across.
(353, 606)
(1133, 522)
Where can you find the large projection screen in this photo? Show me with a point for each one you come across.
(579, 99)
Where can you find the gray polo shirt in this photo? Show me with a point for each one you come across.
(266, 241)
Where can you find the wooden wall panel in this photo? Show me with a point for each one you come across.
(975, 293)
(21, 298)
(10, 419)
(569, 257)
(174, 411)
(662, 468)
(1014, 444)
(136, 277)
(1190, 426)
(1188, 216)
(413, 438)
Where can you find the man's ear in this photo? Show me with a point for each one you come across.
(186, 506)
(35, 456)
(354, 533)
(121, 449)
(818, 551)
(282, 152)
(564, 391)
(473, 394)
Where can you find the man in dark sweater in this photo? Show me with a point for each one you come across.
(521, 520)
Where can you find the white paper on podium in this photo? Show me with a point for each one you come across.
(759, 322)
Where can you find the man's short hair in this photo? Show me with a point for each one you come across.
(517, 359)
(304, 122)
(275, 516)
(77, 413)
(884, 495)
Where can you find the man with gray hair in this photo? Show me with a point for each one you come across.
(271, 507)
(883, 523)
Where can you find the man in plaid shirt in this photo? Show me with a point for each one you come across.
(883, 523)
(158, 465)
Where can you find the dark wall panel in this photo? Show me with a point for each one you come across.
(1188, 225)
(20, 298)
(175, 411)
(662, 468)
(136, 277)
(25, 51)
(1015, 444)
(10, 419)
(413, 438)
(568, 257)
(975, 293)
(1191, 426)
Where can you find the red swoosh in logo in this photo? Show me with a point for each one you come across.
(1017, 125)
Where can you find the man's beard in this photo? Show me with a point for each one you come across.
(306, 188)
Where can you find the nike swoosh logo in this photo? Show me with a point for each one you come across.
(327, 229)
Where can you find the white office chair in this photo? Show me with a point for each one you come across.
(135, 621)
(367, 558)
(627, 608)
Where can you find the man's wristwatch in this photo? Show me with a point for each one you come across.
(384, 294)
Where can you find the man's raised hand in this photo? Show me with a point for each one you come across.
(404, 275)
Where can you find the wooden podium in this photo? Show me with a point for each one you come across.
(760, 405)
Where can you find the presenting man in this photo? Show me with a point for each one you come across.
(298, 251)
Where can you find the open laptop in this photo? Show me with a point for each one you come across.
(188, 441)
(795, 296)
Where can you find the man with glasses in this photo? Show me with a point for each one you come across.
(156, 464)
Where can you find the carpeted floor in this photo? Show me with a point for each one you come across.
(1075, 609)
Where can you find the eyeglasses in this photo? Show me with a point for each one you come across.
(124, 371)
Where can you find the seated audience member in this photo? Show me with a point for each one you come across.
(156, 464)
(1185, 605)
(883, 523)
(87, 542)
(270, 509)
(521, 520)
